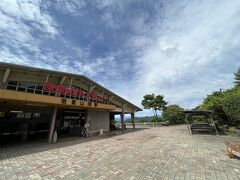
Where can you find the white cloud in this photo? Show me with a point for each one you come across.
(184, 61)
(27, 11)
(7, 56)
(108, 21)
(16, 32)
(182, 49)
(73, 7)
(104, 3)
(100, 65)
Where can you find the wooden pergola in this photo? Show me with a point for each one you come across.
(207, 114)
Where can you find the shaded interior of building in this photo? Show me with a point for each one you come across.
(20, 122)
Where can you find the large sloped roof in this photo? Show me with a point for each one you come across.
(78, 76)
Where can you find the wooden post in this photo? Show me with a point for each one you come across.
(132, 118)
(189, 130)
(122, 121)
(214, 124)
(122, 118)
(52, 125)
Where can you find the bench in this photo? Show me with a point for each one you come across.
(201, 128)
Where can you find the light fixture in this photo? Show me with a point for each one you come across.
(16, 111)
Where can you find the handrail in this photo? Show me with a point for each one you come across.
(36, 90)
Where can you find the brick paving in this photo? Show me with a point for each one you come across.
(154, 153)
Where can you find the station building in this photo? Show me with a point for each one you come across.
(36, 101)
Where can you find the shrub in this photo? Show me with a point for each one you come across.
(231, 106)
(156, 119)
(213, 102)
(174, 114)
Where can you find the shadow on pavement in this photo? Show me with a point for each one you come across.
(16, 149)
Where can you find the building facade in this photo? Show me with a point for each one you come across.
(37, 101)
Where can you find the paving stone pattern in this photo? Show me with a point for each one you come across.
(154, 153)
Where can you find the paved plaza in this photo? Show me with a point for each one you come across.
(154, 153)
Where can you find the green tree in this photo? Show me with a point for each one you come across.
(237, 78)
(174, 114)
(231, 106)
(213, 102)
(156, 103)
(224, 104)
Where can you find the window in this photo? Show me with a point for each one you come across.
(12, 85)
(20, 115)
(28, 115)
(36, 115)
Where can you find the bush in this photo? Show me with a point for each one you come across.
(225, 104)
(174, 114)
(156, 119)
(231, 106)
(213, 102)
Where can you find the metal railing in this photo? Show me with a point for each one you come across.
(38, 88)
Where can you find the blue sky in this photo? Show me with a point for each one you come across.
(181, 49)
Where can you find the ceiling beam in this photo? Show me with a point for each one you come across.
(62, 80)
(91, 87)
(6, 75)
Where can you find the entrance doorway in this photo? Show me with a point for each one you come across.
(71, 122)
(113, 122)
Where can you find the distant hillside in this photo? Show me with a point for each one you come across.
(142, 119)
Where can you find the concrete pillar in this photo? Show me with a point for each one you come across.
(87, 117)
(122, 121)
(87, 123)
(52, 124)
(5, 78)
(132, 118)
(122, 117)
